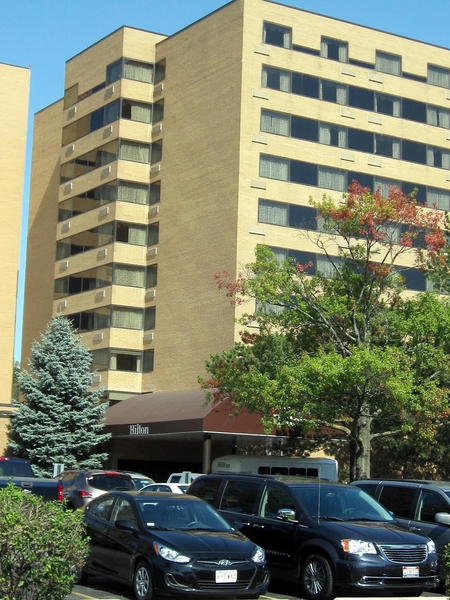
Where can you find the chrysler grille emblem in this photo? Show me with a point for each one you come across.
(224, 562)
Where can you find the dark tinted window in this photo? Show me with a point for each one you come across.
(361, 98)
(303, 217)
(369, 488)
(101, 508)
(304, 129)
(414, 152)
(110, 483)
(302, 172)
(429, 504)
(362, 178)
(414, 111)
(239, 496)
(206, 489)
(385, 104)
(274, 499)
(398, 500)
(305, 85)
(360, 140)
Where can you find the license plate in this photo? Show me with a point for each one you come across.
(229, 576)
(410, 571)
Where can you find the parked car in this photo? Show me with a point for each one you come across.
(183, 477)
(171, 544)
(175, 488)
(140, 480)
(422, 506)
(19, 472)
(80, 486)
(323, 534)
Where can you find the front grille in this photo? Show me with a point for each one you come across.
(221, 563)
(405, 554)
(205, 573)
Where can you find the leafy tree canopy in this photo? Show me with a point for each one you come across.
(345, 348)
(60, 419)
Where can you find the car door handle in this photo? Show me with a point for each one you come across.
(415, 529)
(258, 526)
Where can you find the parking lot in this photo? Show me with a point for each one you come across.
(101, 589)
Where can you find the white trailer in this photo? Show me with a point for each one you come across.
(323, 468)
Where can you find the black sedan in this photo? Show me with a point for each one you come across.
(172, 545)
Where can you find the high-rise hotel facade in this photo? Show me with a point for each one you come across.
(14, 96)
(170, 158)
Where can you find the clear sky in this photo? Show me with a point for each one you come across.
(44, 34)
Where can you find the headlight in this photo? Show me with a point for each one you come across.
(431, 547)
(170, 554)
(259, 556)
(358, 547)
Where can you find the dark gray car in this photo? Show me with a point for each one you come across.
(420, 506)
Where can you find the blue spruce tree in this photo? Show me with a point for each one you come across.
(58, 418)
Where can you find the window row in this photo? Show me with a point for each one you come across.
(114, 231)
(301, 84)
(335, 49)
(134, 361)
(122, 108)
(121, 191)
(121, 317)
(106, 275)
(117, 149)
(354, 139)
(296, 171)
(306, 217)
(414, 279)
(124, 68)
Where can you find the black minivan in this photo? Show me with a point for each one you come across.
(328, 536)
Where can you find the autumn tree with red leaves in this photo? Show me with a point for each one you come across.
(345, 348)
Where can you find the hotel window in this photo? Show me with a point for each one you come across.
(151, 276)
(277, 35)
(277, 123)
(136, 111)
(155, 192)
(384, 185)
(333, 135)
(439, 117)
(287, 215)
(129, 69)
(87, 201)
(127, 318)
(361, 98)
(387, 146)
(388, 63)
(437, 157)
(361, 140)
(414, 152)
(92, 122)
(129, 275)
(276, 79)
(122, 360)
(438, 198)
(330, 91)
(100, 359)
(130, 233)
(414, 110)
(91, 320)
(148, 360)
(150, 318)
(332, 179)
(387, 105)
(134, 151)
(305, 85)
(71, 96)
(439, 76)
(88, 162)
(334, 49)
(160, 71)
(274, 167)
(137, 193)
(82, 282)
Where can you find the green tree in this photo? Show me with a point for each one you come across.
(15, 382)
(343, 347)
(42, 545)
(59, 419)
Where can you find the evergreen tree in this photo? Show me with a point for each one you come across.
(59, 419)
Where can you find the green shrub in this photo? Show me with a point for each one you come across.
(42, 545)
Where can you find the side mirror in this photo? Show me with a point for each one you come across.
(442, 517)
(126, 524)
(286, 514)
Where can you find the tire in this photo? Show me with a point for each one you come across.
(142, 582)
(316, 578)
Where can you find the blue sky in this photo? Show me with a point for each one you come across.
(44, 34)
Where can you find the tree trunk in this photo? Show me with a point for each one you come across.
(362, 459)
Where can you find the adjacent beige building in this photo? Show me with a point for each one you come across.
(169, 158)
(14, 93)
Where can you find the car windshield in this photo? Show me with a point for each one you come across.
(341, 503)
(168, 513)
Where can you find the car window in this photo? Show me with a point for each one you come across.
(429, 504)
(206, 489)
(398, 499)
(273, 499)
(123, 510)
(101, 508)
(100, 482)
(240, 496)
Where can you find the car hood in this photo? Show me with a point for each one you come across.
(203, 541)
(373, 531)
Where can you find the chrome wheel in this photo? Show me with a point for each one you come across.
(142, 584)
(316, 578)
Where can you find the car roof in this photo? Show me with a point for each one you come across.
(290, 480)
(139, 494)
(445, 485)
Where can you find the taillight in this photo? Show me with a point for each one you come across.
(60, 492)
(84, 494)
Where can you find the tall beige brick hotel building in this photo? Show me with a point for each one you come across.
(14, 93)
(170, 158)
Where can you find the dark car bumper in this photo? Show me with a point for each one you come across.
(185, 580)
(372, 572)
